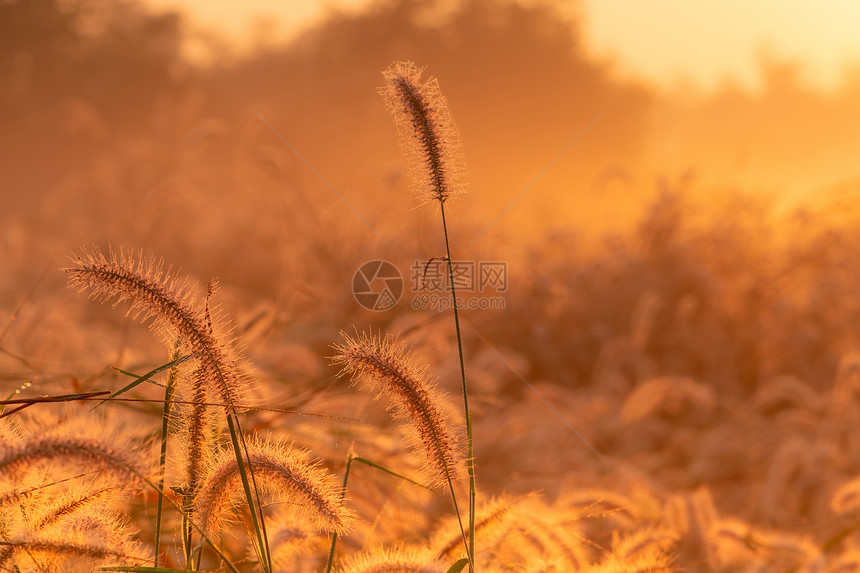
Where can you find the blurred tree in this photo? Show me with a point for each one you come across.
(76, 76)
(520, 83)
(114, 55)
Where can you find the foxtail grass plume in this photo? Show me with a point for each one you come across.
(278, 468)
(197, 435)
(846, 499)
(428, 135)
(17, 459)
(287, 541)
(649, 540)
(644, 564)
(76, 537)
(492, 521)
(387, 367)
(535, 529)
(398, 560)
(668, 395)
(156, 293)
(69, 503)
(739, 543)
(68, 555)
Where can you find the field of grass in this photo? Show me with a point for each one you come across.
(670, 381)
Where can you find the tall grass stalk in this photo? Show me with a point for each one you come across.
(431, 142)
(469, 451)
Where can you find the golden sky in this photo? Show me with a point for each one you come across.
(710, 39)
(704, 42)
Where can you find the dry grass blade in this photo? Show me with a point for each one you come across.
(27, 402)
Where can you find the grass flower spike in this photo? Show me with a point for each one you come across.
(386, 367)
(279, 468)
(398, 560)
(428, 135)
(154, 292)
(15, 459)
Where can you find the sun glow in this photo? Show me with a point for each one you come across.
(710, 42)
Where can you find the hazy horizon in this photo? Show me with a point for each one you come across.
(674, 44)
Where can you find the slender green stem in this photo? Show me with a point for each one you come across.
(470, 550)
(205, 538)
(262, 533)
(342, 496)
(188, 530)
(459, 519)
(256, 509)
(165, 419)
(388, 471)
